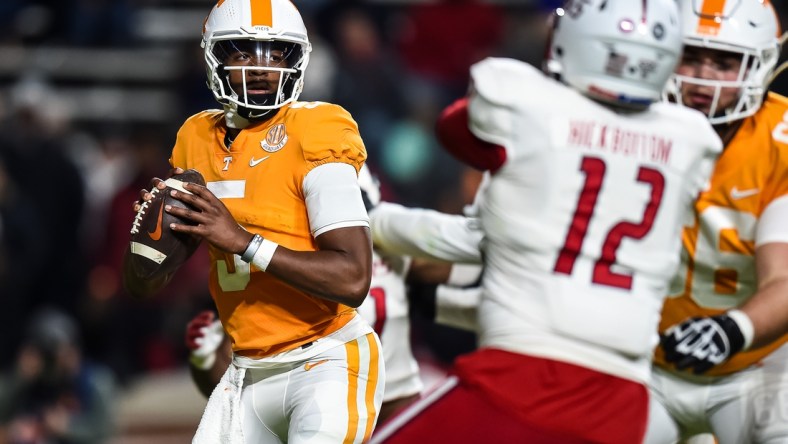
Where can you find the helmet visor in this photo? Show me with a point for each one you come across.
(259, 74)
(254, 53)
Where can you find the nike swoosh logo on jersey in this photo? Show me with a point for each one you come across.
(253, 162)
(741, 194)
(310, 365)
(156, 234)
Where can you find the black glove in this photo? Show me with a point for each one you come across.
(701, 343)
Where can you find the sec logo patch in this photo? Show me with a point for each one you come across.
(275, 139)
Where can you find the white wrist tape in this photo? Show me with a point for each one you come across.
(745, 325)
(464, 274)
(264, 254)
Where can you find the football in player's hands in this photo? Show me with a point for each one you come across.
(155, 248)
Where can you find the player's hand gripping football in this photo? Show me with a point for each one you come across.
(156, 252)
(146, 195)
(698, 344)
(213, 221)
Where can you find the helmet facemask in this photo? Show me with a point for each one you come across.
(751, 83)
(716, 34)
(255, 76)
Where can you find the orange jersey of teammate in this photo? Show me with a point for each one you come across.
(718, 266)
(260, 180)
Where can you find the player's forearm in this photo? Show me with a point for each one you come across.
(333, 275)
(206, 380)
(424, 233)
(768, 311)
(428, 271)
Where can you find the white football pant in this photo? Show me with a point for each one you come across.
(750, 406)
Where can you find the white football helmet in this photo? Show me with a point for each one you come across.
(746, 27)
(257, 28)
(617, 51)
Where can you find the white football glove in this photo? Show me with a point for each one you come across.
(204, 335)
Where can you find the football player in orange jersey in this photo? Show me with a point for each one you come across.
(721, 366)
(288, 238)
(386, 309)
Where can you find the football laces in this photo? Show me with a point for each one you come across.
(135, 225)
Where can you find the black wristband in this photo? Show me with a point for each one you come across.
(731, 328)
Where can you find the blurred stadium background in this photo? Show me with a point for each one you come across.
(92, 93)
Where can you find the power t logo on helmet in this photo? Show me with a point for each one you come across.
(256, 53)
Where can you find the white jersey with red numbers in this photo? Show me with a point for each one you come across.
(386, 310)
(583, 221)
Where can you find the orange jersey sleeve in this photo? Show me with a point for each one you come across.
(718, 257)
(260, 180)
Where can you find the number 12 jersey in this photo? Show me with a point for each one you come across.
(583, 221)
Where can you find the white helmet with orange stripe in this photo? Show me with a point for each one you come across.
(744, 32)
(256, 52)
(617, 51)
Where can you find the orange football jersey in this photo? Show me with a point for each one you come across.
(718, 268)
(260, 180)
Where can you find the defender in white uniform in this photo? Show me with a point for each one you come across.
(581, 218)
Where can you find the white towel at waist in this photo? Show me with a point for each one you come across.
(221, 420)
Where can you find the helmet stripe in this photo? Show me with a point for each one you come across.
(711, 13)
(262, 13)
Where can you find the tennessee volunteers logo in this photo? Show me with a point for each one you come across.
(156, 233)
(275, 139)
(310, 365)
